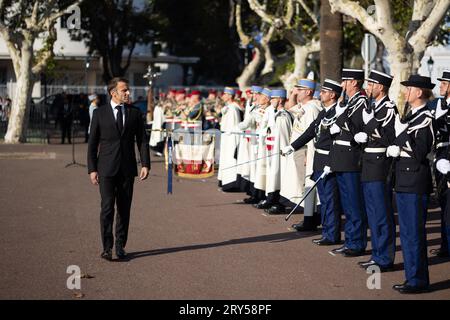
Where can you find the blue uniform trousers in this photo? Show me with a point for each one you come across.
(352, 203)
(444, 198)
(380, 217)
(329, 210)
(412, 211)
(445, 223)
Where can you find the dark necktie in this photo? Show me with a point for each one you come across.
(119, 118)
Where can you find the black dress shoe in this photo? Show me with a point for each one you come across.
(364, 264)
(120, 253)
(306, 225)
(317, 240)
(325, 242)
(339, 250)
(405, 288)
(276, 209)
(440, 253)
(353, 253)
(107, 255)
(263, 204)
(251, 200)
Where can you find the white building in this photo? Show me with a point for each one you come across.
(440, 61)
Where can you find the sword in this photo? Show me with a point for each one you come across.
(322, 176)
(240, 164)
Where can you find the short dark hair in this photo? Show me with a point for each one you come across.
(113, 83)
(426, 93)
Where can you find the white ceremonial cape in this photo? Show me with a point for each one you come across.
(276, 167)
(228, 146)
(158, 121)
(244, 146)
(312, 109)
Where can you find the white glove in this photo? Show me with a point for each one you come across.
(334, 129)
(287, 150)
(326, 170)
(340, 110)
(367, 116)
(443, 166)
(361, 137)
(439, 110)
(393, 151)
(399, 126)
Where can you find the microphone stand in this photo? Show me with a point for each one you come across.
(74, 162)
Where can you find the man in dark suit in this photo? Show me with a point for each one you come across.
(112, 162)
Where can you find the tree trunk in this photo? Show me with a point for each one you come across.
(21, 100)
(331, 41)
(401, 67)
(249, 72)
(289, 79)
(268, 58)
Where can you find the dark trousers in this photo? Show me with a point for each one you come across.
(329, 209)
(353, 204)
(380, 215)
(443, 197)
(412, 212)
(115, 190)
(66, 130)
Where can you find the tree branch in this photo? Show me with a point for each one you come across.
(422, 9)
(46, 54)
(289, 12)
(50, 18)
(421, 37)
(353, 9)
(384, 16)
(309, 12)
(261, 12)
(244, 38)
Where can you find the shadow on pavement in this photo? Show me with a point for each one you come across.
(272, 238)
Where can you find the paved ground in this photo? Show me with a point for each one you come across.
(195, 244)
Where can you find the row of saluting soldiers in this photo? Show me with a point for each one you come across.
(352, 145)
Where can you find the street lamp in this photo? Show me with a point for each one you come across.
(430, 64)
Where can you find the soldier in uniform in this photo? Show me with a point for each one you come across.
(271, 145)
(281, 138)
(413, 183)
(264, 117)
(377, 135)
(345, 154)
(319, 132)
(229, 142)
(301, 162)
(209, 110)
(194, 113)
(248, 125)
(441, 152)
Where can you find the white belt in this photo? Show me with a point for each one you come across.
(342, 143)
(322, 151)
(403, 154)
(375, 150)
(442, 144)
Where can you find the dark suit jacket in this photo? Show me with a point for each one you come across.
(109, 151)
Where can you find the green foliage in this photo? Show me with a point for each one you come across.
(112, 26)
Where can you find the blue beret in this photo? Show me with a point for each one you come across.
(306, 83)
(279, 93)
(257, 89)
(266, 92)
(229, 90)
